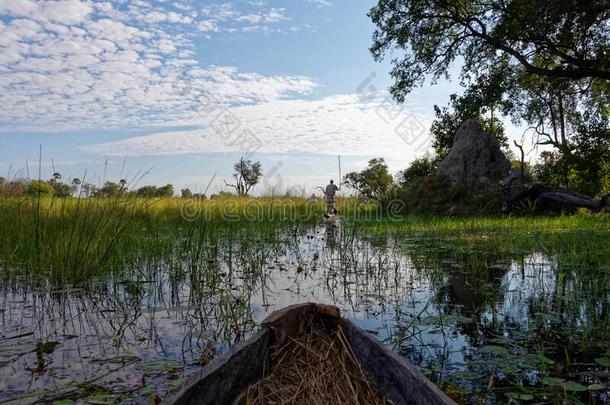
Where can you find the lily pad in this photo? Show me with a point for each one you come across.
(604, 361)
(118, 360)
(460, 319)
(495, 350)
(175, 384)
(521, 396)
(509, 368)
(553, 381)
(595, 387)
(159, 366)
(100, 399)
(148, 391)
(466, 375)
(18, 349)
(500, 340)
(574, 386)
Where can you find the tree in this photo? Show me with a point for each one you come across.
(186, 193)
(59, 189)
(109, 189)
(584, 164)
(75, 185)
(565, 39)
(418, 169)
(13, 188)
(148, 191)
(38, 188)
(374, 182)
(166, 191)
(247, 174)
(89, 189)
(590, 154)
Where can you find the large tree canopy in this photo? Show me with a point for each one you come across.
(374, 182)
(566, 39)
(545, 63)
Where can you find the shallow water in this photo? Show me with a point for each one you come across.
(501, 334)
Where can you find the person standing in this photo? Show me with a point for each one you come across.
(329, 192)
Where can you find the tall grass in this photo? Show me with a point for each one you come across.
(71, 240)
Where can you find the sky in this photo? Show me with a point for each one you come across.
(177, 91)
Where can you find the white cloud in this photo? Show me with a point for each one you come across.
(69, 64)
(61, 11)
(225, 17)
(321, 3)
(345, 124)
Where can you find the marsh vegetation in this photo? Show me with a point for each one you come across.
(112, 300)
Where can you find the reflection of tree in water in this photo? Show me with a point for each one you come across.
(480, 300)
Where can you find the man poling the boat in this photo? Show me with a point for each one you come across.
(329, 192)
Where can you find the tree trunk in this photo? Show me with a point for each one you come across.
(540, 194)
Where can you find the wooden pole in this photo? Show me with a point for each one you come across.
(339, 160)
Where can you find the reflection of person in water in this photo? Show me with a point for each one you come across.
(330, 231)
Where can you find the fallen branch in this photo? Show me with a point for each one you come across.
(541, 194)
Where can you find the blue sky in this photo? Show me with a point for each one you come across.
(180, 90)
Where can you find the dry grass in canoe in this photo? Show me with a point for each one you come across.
(316, 368)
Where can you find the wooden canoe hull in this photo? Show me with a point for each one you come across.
(224, 379)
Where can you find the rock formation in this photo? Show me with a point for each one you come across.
(474, 157)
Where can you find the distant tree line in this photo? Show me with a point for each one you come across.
(55, 187)
(247, 174)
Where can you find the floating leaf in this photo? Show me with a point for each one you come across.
(604, 361)
(461, 319)
(521, 396)
(118, 360)
(159, 366)
(495, 350)
(509, 368)
(175, 384)
(544, 359)
(148, 390)
(553, 381)
(501, 340)
(100, 399)
(574, 386)
(18, 349)
(595, 387)
(466, 375)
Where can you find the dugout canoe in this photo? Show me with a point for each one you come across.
(225, 379)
